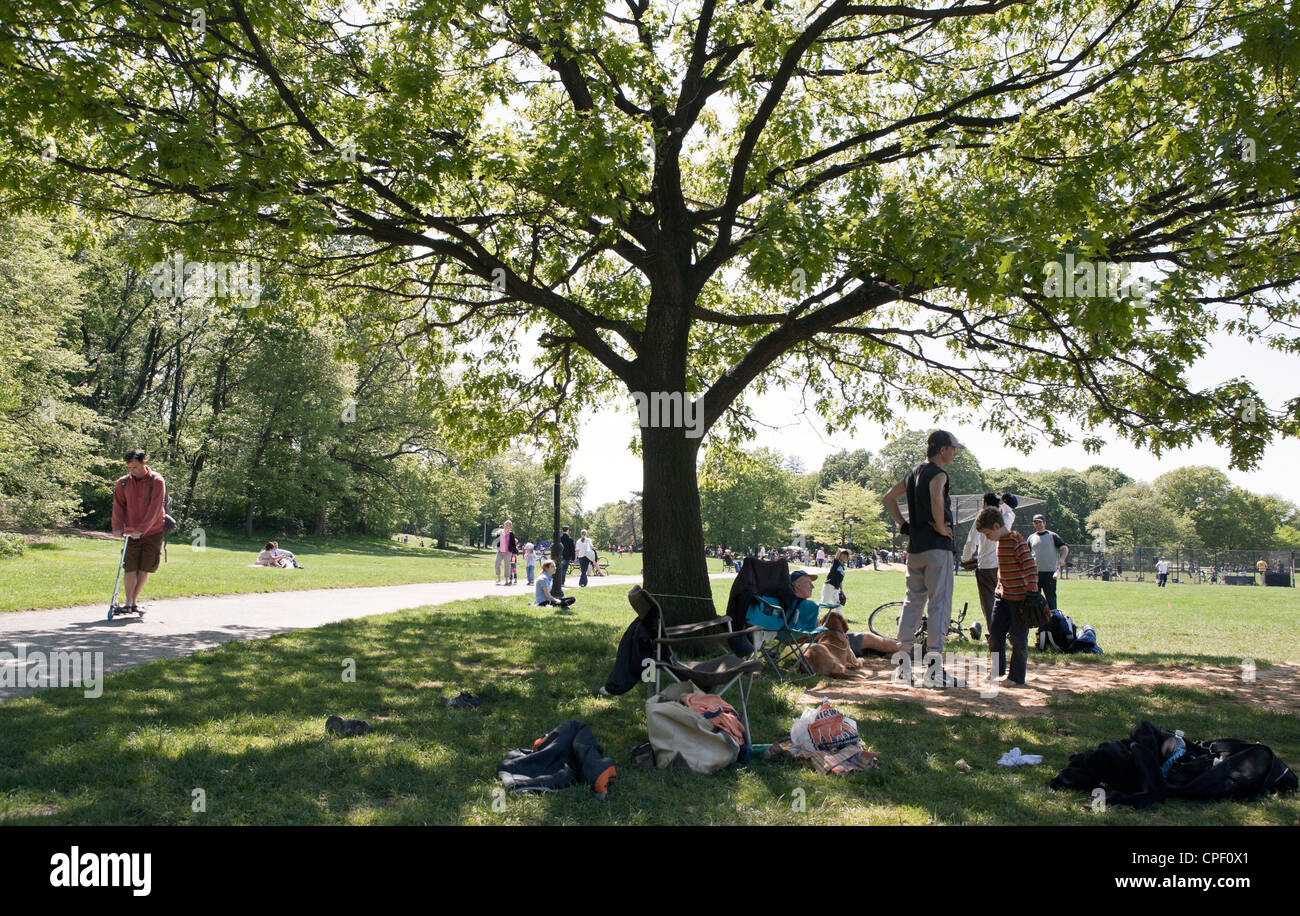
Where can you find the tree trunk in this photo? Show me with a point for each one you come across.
(320, 521)
(248, 519)
(672, 535)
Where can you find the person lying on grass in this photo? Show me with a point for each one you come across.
(543, 595)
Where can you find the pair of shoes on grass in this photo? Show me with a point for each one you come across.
(465, 700)
(346, 728)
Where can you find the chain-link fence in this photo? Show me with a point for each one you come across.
(1194, 565)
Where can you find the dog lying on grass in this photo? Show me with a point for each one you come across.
(837, 652)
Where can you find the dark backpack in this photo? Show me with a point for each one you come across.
(1059, 633)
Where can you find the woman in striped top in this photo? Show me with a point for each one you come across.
(1017, 577)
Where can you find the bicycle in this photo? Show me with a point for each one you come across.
(884, 622)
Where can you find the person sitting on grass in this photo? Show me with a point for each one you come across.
(543, 596)
(272, 555)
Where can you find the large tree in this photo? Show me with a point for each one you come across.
(703, 199)
(1134, 515)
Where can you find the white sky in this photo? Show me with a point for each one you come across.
(613, 472)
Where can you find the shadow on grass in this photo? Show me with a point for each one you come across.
(245, 723)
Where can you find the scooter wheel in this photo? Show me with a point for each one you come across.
(110, 613)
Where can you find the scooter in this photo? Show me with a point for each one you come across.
(115, 609)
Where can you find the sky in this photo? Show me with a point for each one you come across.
(613, 472)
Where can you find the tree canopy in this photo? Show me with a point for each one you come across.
(707, 199)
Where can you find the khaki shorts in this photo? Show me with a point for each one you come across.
(143, 554)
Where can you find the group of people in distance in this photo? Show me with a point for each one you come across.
(549, 585)
(1009, 566)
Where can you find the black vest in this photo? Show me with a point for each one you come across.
(922, 535)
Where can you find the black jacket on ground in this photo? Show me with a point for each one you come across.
(566, 754)
(635, 647)
(1129, 770)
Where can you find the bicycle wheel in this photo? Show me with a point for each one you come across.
(884, 620)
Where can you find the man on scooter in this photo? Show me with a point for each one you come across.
(139, 513)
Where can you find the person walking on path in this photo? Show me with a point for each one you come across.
(1017, 577)
(567, 554)
(139, 514)
(985, 552)
(929, 546)
(1050, 553)
(585, 552)
(507, 547)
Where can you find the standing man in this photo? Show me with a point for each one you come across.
(929, 545)
(566, 558)
(586, 554)
(139, 510)
(984, 551)
(1049, 553)
(1162, 573)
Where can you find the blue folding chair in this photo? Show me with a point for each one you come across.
(792, 631)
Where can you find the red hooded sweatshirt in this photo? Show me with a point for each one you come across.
(139, 504)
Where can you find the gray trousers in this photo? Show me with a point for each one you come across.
(929, 578)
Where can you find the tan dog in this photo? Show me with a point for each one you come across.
(831, 655)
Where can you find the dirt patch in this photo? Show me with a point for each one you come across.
(1277, 687)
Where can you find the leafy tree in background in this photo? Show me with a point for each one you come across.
(748, 498)
(1223, 515)
(844, 515)
(1135, 515)
(711, 198)
(521, 489)
(46, 454)
(1102, 482)
(854, 466)
(617, 524)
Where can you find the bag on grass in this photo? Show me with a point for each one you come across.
(1034, 611)
(678, 732)
(1059, 633)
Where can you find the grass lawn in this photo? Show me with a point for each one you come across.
(245, 723)
(68, 571)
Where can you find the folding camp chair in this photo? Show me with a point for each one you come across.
(791, 631)
(716, 675)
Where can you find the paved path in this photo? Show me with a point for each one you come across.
(172, 627)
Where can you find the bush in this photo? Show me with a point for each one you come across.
(12, 545)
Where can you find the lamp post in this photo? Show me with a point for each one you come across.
(555, 491)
